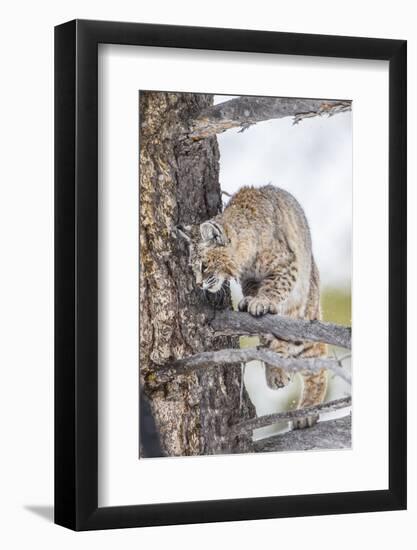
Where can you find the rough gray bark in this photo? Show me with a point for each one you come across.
(246, 110)
(179, 183)
(268, 419)
(232, 356)
(233, 322)
(329, 434)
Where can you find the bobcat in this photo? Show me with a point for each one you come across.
(262, 240)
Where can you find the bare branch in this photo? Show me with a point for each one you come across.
(328, 434)
(233, 356)
(285, 328)
(267, 420)
(245, 111)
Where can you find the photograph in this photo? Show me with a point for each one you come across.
(245, 252)
(207, 241)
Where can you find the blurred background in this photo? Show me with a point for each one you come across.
(313, 161)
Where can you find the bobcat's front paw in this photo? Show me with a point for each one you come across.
(243, 304)
(259, 306)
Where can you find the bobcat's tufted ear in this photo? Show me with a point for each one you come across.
(212, 231)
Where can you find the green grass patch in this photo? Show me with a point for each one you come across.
(248, 342)
(337, 306)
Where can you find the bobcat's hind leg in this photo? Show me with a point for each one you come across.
(314, 388)
(276, 377)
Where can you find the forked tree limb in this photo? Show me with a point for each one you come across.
(246, 110)
(233, 356)
(285, 328)
(268, 419)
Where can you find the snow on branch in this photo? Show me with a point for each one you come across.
(285, 328)
(233, 356)
(268, 419)
(245, 111)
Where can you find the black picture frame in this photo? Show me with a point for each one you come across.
(76, 272)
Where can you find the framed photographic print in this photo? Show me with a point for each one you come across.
(230, 234)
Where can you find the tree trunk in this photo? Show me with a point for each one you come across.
(179, 184)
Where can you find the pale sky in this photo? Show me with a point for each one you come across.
(313, 161)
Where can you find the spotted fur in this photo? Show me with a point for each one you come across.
(262, 239)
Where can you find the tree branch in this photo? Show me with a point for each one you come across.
(245, 111)
(328, 434)
(285, 328)
(267, 420)
(233, 356)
